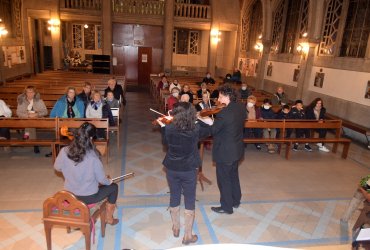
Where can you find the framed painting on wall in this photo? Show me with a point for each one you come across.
(319, 79)
(367, 93)
(296, 74)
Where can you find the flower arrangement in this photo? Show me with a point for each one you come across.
(73, 58)
(365, 183)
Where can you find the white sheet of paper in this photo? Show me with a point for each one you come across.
(364, 234)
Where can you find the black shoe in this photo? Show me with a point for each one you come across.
(307, 148)
(295, 147)
(49, 154)
(258, 147)
(36, 149)
(236, 206)
(220, 210)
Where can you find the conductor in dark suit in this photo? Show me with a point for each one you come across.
(228, 149)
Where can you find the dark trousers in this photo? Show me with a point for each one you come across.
(252, 133)
(288, 132)
(228, 184)
(5, 132)
(300, 132)
(182, 181)
(110, 192)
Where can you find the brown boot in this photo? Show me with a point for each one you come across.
(189, 237)
(175, 216)
(109, 215)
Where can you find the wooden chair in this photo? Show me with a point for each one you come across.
(64, 209)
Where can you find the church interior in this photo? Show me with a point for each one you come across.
(306, 48)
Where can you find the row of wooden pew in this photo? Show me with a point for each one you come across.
(53, 126)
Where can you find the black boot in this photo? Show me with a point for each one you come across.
(36, 149)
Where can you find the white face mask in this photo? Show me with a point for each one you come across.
(176, 94)
(244, 88)
(266, 106)
(208, 76)
(250, 104)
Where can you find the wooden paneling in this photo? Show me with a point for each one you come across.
(127, 38)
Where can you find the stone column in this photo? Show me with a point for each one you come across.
(107, 28)
(56, 42)
(212, 50)
(262, 64)
(305, 71)
(168, 36)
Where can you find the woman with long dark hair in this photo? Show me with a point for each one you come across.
(83, 171)
(182, 161)
(317, 111)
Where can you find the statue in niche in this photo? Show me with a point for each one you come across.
(296, 74)
(269, 69)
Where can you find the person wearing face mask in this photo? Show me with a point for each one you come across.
(237, 75)
(203, 89)
(253, 113)
(284, 114)
(174, 98)
(244, 91)
(208, 79)
(228, 79)
(268, 113)
(299, 113)
(175, 84)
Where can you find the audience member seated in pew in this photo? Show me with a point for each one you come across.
(4, 112)
(208, 79)
(163, 84)
(69, 106)
(228, 79)
(268, 113)
(173, 98)
(206, 102)
(237, 75)
(284, 114)
(30, 105)
(203, 89)
(186, 90)
(111, 101)
(184, 98)
(316, 111)
(116, 89)
(299, 113)
(280, 98)
(175, 84)
(85, 95)
(80, 164)
(244, 91)
(253, 113)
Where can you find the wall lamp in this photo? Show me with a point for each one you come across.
(259, 47)
(53, 24)
(302, 49)
(3, 30)
(215, 36)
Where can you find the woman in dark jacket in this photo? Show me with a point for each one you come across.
(181, 162)
(316, 111)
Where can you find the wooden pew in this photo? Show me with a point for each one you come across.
(283, 125)
(38, 123)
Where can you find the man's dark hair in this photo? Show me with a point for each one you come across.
(266, 100)
(285, 106)
(298, 101)
(227, 90)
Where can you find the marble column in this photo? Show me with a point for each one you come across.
(107, 28)
(56, 42)
(168, 36)
(212, 50)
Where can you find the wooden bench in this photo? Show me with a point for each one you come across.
(75, 123)
(38, 123)
(283, 125)
(352, 126)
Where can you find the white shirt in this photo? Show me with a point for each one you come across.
(174, 86)
(4, 109)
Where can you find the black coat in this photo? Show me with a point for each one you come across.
(227, 132)
(107, 113)
(182, 147)
(310, 114)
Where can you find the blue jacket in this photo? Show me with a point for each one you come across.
(60, 108)
(267, 113)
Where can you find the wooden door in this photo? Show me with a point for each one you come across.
(144, 66)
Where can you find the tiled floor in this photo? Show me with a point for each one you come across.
(294, 204)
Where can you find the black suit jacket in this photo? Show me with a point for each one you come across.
(227, 132)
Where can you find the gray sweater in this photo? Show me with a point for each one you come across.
(82, 179)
